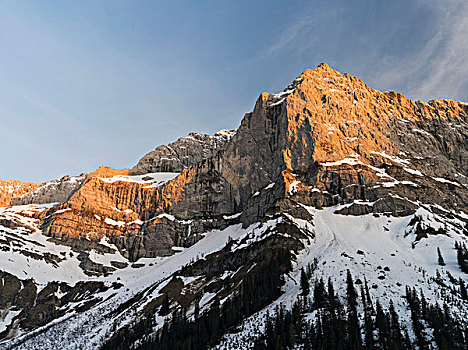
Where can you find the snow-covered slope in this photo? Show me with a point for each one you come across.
(140, 284)
(381, 250)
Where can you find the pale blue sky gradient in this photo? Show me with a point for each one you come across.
(89, 83)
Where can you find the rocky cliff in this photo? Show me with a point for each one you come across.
(329, 138)
(56, 191)
(182, 153)
(12, 189)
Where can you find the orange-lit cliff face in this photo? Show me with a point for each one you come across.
(326, 139)
(12, 189)
(329, 116)
(21, 193)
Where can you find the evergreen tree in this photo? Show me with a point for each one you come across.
(368, 329)
(319, 294)
(424, 309)
(415, 308)
(381, 323)
(353, 327)
(165, 306)
(331, 294)
(440, 257)
(351, 291)
(463, 292)
(462, 257)
(368, 311)
(396, 340)
(368, 297)
(305, 288)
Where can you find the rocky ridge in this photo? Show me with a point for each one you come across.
(182, 153)
(14, 192)
(13, 189)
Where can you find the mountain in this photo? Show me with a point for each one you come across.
(335, 216)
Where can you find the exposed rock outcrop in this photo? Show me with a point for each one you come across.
(182, 153)
(54, 191)
(13, 189)
(34, 307)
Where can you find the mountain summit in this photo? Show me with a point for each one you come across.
(208, 239)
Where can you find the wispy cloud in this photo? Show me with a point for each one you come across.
(440, 68)
(288, 36)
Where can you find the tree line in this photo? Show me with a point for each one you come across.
(321, 321)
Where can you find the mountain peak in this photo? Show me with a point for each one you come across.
(322, 66)
(105, 171)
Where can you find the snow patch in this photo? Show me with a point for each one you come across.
(150, 179)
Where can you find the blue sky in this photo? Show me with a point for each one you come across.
(90, 83)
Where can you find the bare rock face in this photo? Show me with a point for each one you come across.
(327, 139)
(130, 212)
(367, 144)
(55, 191)
(182, 153)
(11, 189)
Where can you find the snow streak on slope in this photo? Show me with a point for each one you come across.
(27, 253)
(25, 250)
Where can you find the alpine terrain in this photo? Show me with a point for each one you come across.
(334, 217)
